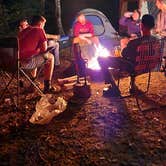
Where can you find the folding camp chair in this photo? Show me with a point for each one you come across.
(11, 69)
(9, 64)
(80, 90)
(148, 59)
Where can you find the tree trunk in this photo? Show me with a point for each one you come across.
(43, 6)
(143, 7)
(58, 16)
(123, 7)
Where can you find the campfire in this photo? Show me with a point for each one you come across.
(100, 51)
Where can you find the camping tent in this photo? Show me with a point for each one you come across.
(102, 27)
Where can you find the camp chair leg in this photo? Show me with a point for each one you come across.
(138, 105)
(16, 103)
(132, 82)
(148, 85)
(18, 88)
(85, 81)
(27, 77)
(3, 92)
(118, 79)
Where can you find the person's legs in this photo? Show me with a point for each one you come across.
(124, 65)
(34, 73)
(55, 51)
(56, 54)
(32, 64)
(117, 63)
(38, 60)
(48, 70)
(112, 90)
(105, 63)
(95, 40)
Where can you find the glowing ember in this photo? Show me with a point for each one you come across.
(100, 52)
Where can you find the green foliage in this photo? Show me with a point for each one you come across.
(12, 11)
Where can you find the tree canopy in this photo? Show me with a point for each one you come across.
(12, 11)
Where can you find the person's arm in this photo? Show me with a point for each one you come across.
(76, 29)
(129, 52)
(85, 35)
(157, 27)
(51, 36)
(43, 46)
(125, 19)
(42, 41)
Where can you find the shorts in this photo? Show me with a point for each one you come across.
(35, 62)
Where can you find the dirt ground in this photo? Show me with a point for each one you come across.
(98, 131)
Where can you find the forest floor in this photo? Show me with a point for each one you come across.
(98, 131)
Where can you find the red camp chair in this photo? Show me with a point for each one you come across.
(148, 59)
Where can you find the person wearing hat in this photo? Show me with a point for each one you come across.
(161, 18)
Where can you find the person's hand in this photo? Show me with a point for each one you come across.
(133, 36)
(163, 33)
(128, 14)
(157, 30)
(51, 36)
(86, 35)
(57, 37)
(124, 42)
(85, 39)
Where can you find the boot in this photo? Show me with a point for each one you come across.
(47, 86)
(49, 89)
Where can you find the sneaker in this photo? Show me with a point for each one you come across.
(163, 68)
(111, 92)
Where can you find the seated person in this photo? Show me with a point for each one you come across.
(127, 61)
(83, 31)
(130, 20)
(33, 43)
(23, 24)
(51, 40)
(160, 27)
